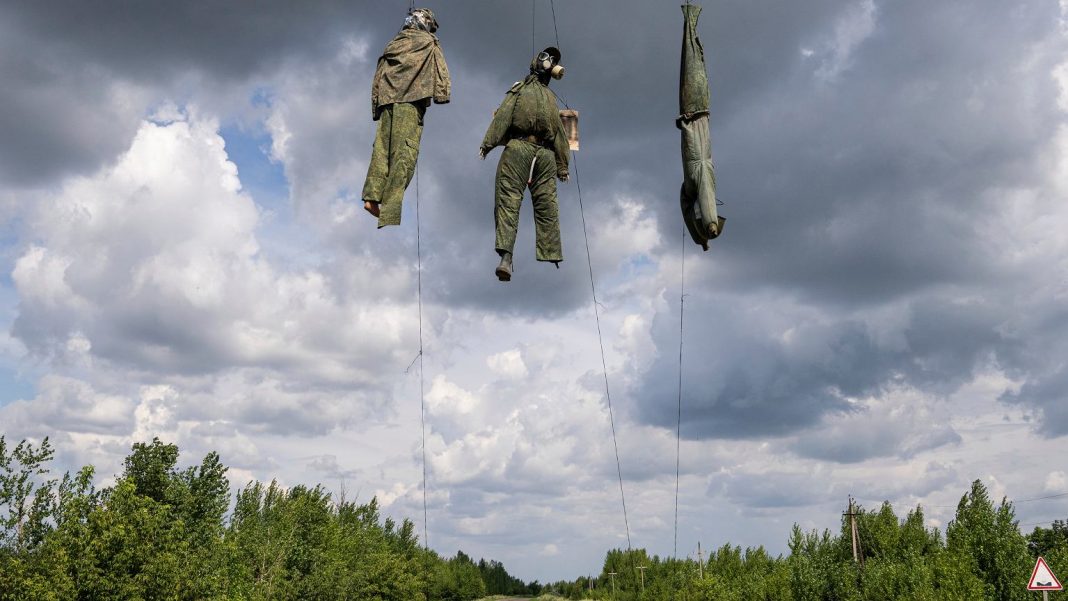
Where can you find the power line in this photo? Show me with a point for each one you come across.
(1056, 496)
(1013, 501)
(1040, 523)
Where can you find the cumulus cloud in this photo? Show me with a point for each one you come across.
(898, 424)
(508, 364)
(882, 316)
(154, 263)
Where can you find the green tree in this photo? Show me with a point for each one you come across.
(26, 498)
(992, 537)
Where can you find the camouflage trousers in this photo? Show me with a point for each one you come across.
(393, 158)
(698, 195)
(521, 162)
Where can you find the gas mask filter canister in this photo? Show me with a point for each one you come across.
(547, 64)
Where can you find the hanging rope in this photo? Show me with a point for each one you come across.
(678, 426)
(533, 13)
(552, 5)
(422, 398)
(597, 318)
(604, 364)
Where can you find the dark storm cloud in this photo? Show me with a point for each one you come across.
(156, 41)
(60, 62)
(854, 176)
(752, 373)
(1047, 392)
(869, 187)
(859, 192)
(53, 118)
(622, 75)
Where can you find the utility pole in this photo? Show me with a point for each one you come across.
(642, 568)
(700, 561)
(613, 575)
(858, 552)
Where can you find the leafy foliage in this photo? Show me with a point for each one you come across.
(983, 556)
(161, 532)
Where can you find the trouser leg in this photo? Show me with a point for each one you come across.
(378, 168)
(406, 134)
(698, 199)
(546, 208)
(512, 172)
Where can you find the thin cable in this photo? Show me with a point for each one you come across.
(1040, 523)
(678, 427)
(600, 340)
(533, 20)
(597, 318)
(1056, 496)
(422, 401)
(552, 5)
(1013, 501)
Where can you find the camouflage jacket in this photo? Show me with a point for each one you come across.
(529, 109)
(412, 68)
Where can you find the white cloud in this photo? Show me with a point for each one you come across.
(446, 398)
(899, 423)
(508, 364)
(1056, 482)
(626, 231)
(321, 134)
(853, 26)
(150, 293)
(154, 263)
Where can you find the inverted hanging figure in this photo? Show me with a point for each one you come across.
(535, 154)
(411, 72)
(698, 196)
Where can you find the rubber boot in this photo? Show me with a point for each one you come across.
(504, 269)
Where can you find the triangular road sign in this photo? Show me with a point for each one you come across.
(1042, 578)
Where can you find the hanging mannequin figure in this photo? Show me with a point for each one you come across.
(698, 194)
(535, 152)
(410, 72)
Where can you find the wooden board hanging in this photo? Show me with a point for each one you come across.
(570, 119)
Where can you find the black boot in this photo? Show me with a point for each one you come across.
(504, 270)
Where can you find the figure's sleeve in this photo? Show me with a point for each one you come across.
(560, 144)
(502, 119)
(442, 83)
(376, 88)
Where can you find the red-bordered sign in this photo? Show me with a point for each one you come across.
(1042, 578)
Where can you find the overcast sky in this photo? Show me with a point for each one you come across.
(185, 255)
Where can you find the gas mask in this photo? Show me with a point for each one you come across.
(547, 62)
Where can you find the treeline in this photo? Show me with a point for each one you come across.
(166, 533)
(160, 532)
(983, 555)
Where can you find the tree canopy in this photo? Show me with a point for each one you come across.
(160, 532)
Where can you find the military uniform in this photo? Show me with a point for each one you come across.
(697, 197)
(411, 72)
(535, 152)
